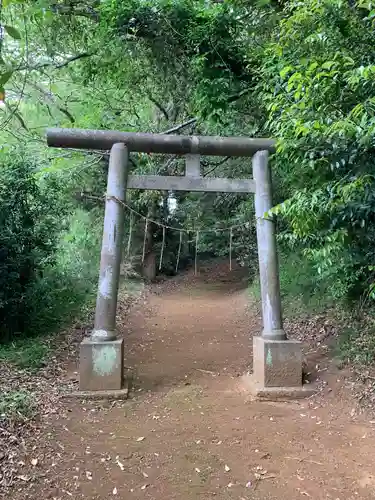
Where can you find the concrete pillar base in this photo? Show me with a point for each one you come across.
(101, 365)
(277, 368)
(277, 363)
(120, 395)
(275, 393)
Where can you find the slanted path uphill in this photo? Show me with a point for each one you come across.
(189, 430)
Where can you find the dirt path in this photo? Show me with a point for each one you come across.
(190, 431)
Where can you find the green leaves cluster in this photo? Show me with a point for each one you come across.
(319, 88)
(28, 237)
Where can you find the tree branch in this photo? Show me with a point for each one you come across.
(51, 98)
(16, 115)
(159, 106)
(72, 59)
(179, 127)
(216, 165)
(57, 66)
(237, 96)
(79, 11)
(67, 114)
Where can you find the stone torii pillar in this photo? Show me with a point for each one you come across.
(277, 361)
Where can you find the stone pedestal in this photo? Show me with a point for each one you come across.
(101, 365)
(277, 363)
(277, 366)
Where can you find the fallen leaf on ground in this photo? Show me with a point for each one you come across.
(114, 491)
(227, 469)
(23, 478)
(121, 465)
(140, 439)
(144, 486)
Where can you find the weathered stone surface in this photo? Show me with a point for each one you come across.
(277, 363)
(101, 365)
(275, 393)
(185, 183)
(121, 394)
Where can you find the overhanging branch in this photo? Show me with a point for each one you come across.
(57, 66)
(159, 106)
(87, 11)
(179, 127)
(72, 59)
(217, 164)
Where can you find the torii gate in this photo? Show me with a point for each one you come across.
(277, 361)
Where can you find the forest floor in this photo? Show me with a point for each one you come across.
(189, 429)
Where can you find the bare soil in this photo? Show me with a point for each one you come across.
(190, 430)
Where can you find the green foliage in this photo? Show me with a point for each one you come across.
(16, 406)
(357, 344)
(30, 354)
(28, 235)
(197, 41)
(49, 250)
(319, 91)
(13, 32)
(302, 292)
(67, 287)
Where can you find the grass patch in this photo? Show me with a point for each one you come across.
(27, 353)
(356, 343)
(301, 292)
(17, 406)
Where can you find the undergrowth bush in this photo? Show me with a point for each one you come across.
(65, 290)
(29, 227)
(49, 250)
(302, 290)
(67, 285)
(356, 343)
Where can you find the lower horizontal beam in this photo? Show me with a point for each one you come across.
(175, 183)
